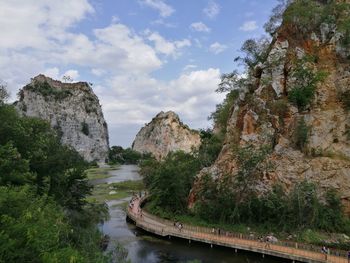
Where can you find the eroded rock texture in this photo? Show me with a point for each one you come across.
(164, 134)
(265, 116)
(73, 110)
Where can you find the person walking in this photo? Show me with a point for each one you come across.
(325, 251)
(349, 256)
(267, 242)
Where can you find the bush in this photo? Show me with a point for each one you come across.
(305, 15)
(85, 128)
(306, 80)
(223, 111)
(301, 134)
(45, 89)
(210, 147)
(118, 154)
(279, 108)
(255, 50)
(278, 210)
(345, 98)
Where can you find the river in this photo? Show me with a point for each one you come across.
(145, 248)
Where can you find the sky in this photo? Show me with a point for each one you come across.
(142, 56)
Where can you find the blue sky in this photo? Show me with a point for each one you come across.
(142, 56)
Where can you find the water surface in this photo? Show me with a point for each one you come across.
(146, 248)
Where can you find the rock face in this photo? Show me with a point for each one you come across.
(164, 134)
(263, 115)
(73, 110)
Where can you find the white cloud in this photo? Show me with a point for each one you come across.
(200, 27)
(35, 24)
(52, 73)
(115, 48)
(115, 19)
(137, 98)
(249, 26)
(167, 47)
(163, 23)
(72, 74)
(189, 67)
(217, 48)
(120, 60)
(98, 72)
(164, 9)
(212, 10)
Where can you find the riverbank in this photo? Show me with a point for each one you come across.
(143, 247)
(282, 249)
(105, 189)
(307, 236)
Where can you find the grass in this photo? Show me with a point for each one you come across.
(115, 191)
(100, 173)
(129, 185)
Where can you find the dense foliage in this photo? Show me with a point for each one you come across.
(45, 89)
(211, 144)
(305, 83)
(223, 111)
(169, 181)
(301, 208)
(44, 216)
(119, 155)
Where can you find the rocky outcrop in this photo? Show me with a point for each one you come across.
(164, 134)
(73, 110)
(264, 116)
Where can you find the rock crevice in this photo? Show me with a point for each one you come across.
(73, 110)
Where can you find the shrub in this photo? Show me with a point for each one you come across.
(222, 113)
(345, 98)
(255, 50)
(305, 15)
(85, 128)
(118, 154)
(306, 80)
(210, 147)
(4, 95)
(45, 89)
(280, 108)
(301, 134)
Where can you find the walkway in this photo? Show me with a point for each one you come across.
(286, 250)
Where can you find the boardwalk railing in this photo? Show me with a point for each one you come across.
(284, 249)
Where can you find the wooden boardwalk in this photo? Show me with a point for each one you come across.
(286, 250)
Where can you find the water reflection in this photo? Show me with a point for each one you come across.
(146, 248)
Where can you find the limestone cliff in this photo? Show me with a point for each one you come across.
(264, 113)
(164, 134)
(73, 110)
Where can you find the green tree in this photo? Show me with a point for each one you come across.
(118, 154)
(255, 52)
(223, 111)
(211, 144)
(305, 84)
(276, 17)
(13, 169)
(4, 95)
(171, 182)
